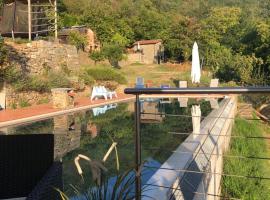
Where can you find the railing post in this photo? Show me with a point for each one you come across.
(138, 147)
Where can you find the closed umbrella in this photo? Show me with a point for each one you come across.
(139, 46)
(195, 69)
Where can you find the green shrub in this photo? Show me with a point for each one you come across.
(58, 79)
(12, 74)
(31, 83)
(106, 74)
(13, 106)
(65, 69)
(3, 51)
(21, 41)
(24, 103)
(43, 101)
(87, 79)
(38, 84)
(77, 39)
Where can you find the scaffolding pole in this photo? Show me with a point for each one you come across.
(55, 20)
(29, 20)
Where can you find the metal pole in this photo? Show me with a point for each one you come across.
(199, 90)
(55, 20)
(138, 147)
(29, 20)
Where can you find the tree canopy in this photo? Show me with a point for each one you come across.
(233, 36)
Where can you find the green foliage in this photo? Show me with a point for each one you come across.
(114, 53)
(40, 83)
(225, 31)
(219, 21)
(106, 74)
(3, 51)
(120, 189)
(13, 106)
(58, 80)
(96, 56)
(12, 74)
(246, 188)
(68, 20)
(24, 103)
(240, 69)
(77, 39)
(87, 79)
(21, 41)
(43, 101)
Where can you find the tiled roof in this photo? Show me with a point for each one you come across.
(144, 42)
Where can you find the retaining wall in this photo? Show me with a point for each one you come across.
(37, 56)
(196, 153)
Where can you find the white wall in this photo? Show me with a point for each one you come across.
(197, 157)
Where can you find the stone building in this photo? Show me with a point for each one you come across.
(93, 43)
(147, 52)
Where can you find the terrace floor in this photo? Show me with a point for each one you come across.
(38, 112)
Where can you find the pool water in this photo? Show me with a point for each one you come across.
(92, 132)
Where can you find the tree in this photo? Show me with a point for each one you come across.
(96, 56)
(114, 53)
(77, 39)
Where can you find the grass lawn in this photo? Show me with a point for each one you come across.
(246, 188)
(161, 74)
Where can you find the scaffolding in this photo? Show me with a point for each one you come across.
(28, 18)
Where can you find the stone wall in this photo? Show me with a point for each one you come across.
(37, 56)
(15, 99)
(67, 133)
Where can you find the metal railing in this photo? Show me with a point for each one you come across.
(184, 91)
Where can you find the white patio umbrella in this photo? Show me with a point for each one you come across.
(139, 47)
(195, 69)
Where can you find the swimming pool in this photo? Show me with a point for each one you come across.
(92, 132)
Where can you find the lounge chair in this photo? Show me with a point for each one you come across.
(102, 110)
(110, 93)
(214, 102)
(98, 91)
(183, 100)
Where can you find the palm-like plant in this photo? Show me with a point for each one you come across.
(120, 187)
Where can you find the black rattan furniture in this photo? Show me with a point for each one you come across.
(27, 165)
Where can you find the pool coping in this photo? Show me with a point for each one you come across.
(45, 116)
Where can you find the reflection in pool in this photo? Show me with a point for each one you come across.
(91, 133)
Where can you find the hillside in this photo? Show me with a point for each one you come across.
(233, 36)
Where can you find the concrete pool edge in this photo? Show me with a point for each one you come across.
(45, 116)
(193, 145)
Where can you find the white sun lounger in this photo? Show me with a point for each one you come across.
(110, 93)
(102, 110)
(101, 91)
